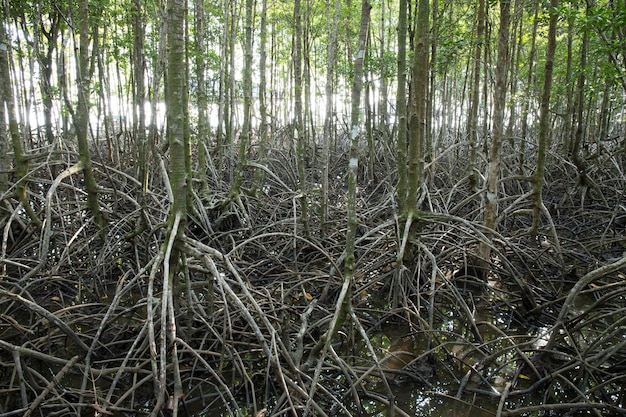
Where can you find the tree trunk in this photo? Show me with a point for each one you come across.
(175, 101)
(355, 132)
(223, 112)
(493, 173)
(259, 180)
(544, 123)
(383, 113)
(418, 118)
(202, 101)
(517, 26)
(179, 178)
(8, 102)
(431, 77)
(300, 136)
(401, 110)
(46, 65)
(527, 99)
(369, 121)
(472, 129)
(246, 130)
(81, 119)
(328, 120)
(5, 163)
(578, 124)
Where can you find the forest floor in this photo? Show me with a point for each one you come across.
(80, 317)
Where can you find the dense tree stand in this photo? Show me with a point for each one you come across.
(312, 208)
(82, 321)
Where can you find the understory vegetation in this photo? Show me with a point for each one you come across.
(81, 326)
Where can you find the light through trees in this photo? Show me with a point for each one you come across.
(316, 207)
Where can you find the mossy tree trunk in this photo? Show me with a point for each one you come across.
(179, 177)
(8, 102)
(344, 302)
(81, 115)
(416, 134)
(418, 123)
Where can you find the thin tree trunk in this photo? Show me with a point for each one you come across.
(201, 96)
(300, 136)
(401, 108)
(516, 46)
(259, 180)
(429, 134)
(369, 120)
(230, 109)
(475, 100)
(527, 99)
(158, 65)
(246, 130)
(328, 120)
(223, 112)
(353, 166)
(487, 57)
(180, 178)
(493, 172)
(418, 122)
(81, 119)
(5, 163)
(46, 65)
(8, 100)
(383, 113)
(175, 101)
(569, 108)
(544, 124)
(578, 123)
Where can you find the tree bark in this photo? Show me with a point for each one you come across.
(418, 118)
(46, 65)
(578, 124)
(8, 102)
(246, 129)
(300, 136)
(81, 119)
(544, 122)
(527, 99)
(493, 172)
(401, 108)
(328, 120)
(259, 180)
(201, 96)
(472, 129)
(175, 91)
(353, 166)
